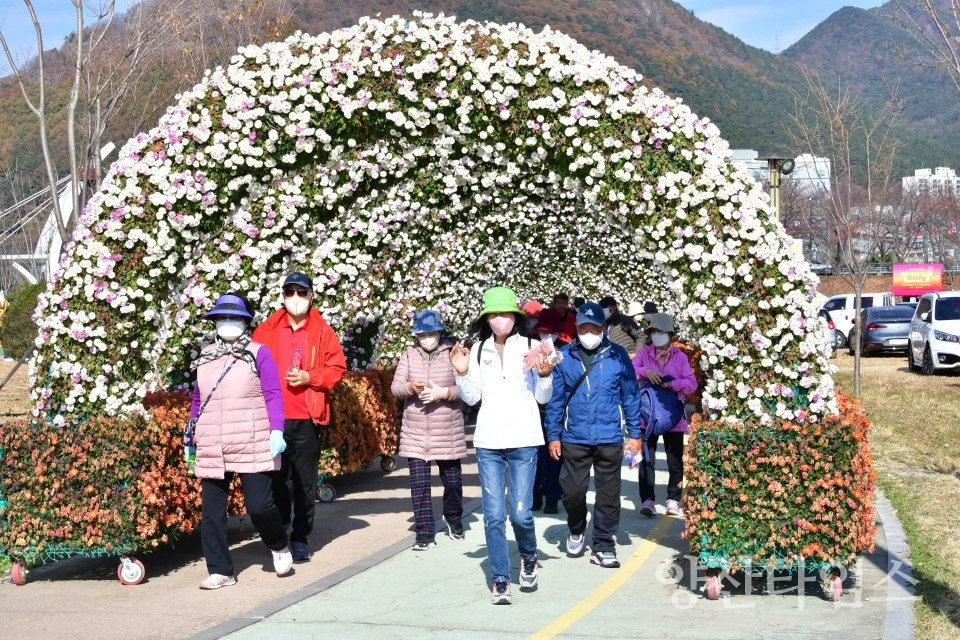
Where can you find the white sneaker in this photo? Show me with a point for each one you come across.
(215, 581)
(528, 572)
(282, 561)
(576, 544)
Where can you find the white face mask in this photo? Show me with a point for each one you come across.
(606, 314)
(230, 329)
(549, 337)
(660, 339)
(296, 306)
(590, 341)
(532, 322)
(429, 343)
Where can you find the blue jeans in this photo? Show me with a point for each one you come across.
(494, 465)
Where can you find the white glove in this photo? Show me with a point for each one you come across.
(432, 393)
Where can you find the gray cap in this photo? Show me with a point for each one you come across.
(661, 322)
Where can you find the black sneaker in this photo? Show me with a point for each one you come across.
(454, 529)
(424, 543)
(528, 572)
(550, 506)
(537, 503)
(500, 593)
(606, 559)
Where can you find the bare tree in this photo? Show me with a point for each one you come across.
(39, 108)
(847, 205)
(935, 26)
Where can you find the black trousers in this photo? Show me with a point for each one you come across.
(673, 445)
(302, 459)
(258, 499)
(605, 459)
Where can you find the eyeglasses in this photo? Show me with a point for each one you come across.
(289, 293)
(229, 318)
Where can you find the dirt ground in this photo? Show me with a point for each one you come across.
(15, 395)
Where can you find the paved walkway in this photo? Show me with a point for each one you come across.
(444, 593)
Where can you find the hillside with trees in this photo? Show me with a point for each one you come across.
(744, 90)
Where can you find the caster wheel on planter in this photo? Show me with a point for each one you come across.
(713, 587)
(388, 464)
(18, 573)
(131, 571)
(833, 588)
(326, 493)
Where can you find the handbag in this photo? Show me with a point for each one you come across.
(190, 429)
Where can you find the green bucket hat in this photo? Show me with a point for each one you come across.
(500, 300)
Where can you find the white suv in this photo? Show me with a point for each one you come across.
(935, 333)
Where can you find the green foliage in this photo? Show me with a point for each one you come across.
(18, 330)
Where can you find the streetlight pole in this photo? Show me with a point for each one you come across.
(777, 165)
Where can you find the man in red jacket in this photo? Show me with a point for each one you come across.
(309, 356)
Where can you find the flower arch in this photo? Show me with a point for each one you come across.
(407, 163)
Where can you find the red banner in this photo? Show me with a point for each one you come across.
(917, 279)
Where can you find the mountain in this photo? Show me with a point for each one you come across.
(744, 90)
(860, 49)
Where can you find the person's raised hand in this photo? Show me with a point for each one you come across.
(417, 386)
(460, 358)
(544, 366)
(554, 448)
(654, 376)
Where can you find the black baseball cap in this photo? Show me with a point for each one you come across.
(299, 278)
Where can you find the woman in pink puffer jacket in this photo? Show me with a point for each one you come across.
(432, 428)
(238, 413)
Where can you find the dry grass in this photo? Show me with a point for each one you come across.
(916, 448)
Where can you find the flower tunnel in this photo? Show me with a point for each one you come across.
(413, 163)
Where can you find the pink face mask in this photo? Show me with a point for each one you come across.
(501, 326)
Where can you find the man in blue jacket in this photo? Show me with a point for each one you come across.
(595, 398)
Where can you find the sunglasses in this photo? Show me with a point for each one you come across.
(289, 293)
(231, 318)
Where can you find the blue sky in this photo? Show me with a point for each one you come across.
(756, 21)
(58, 19)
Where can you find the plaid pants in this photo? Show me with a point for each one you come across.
(452, 480)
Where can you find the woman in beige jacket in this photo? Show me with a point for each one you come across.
(432, 428)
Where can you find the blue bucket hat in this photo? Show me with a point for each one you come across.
(590, 312)
(229, 306)
(427, 321)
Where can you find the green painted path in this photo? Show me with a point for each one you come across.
(444, 593)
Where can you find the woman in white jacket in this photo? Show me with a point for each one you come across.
(508, 430)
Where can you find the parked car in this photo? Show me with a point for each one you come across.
(912, 305)
(821, 269)
(885, 330)
(842, 308)
(824, 316)
(935, 333)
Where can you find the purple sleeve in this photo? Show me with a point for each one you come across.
(270, 383)
(195, 405)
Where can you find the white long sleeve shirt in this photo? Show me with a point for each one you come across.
(509, 416)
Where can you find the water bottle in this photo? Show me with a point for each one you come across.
(296, 361)
(628, 456)
(191, 462)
